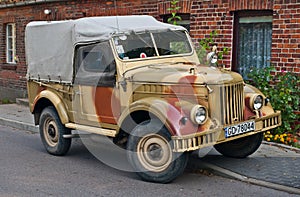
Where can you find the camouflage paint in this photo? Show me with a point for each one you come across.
(107, 105)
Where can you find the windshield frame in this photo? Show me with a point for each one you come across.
(158, 56)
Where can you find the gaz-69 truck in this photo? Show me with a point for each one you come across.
(139, 82)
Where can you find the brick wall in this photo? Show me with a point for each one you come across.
(209, 15)
(206, 16)
(13, 75)
(286, 35)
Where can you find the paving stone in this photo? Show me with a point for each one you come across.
(279, 170)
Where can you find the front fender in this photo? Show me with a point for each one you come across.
(266, 109)
(56, 102)
(251, 89)
(168, 111)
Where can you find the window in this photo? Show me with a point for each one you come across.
(172, 43)
(143, 45)
(134, 46)
(10, 43)
(96, 58)
(184, 22)
(253, 41)
(95, 64)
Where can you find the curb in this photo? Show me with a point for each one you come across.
(196, 163)
(19, 125)
(297, 150)
(22, 101)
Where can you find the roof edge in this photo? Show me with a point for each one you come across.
(25, 3)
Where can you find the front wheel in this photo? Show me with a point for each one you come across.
(150, 153)
(242, 147)
(52, 131)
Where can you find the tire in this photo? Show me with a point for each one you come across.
(242, 147)
(52, 131)
(149, 151)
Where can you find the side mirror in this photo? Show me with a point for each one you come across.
(212, 58)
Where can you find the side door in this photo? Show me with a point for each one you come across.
(96, 101)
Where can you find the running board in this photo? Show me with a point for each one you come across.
(95, 130)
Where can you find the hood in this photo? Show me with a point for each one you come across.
(183, 73)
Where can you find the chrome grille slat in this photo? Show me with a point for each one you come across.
(233, 98)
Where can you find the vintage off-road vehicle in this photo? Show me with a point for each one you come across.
(139, 82)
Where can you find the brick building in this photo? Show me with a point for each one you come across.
(257, 32)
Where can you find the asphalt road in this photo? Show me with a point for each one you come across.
(27, 170)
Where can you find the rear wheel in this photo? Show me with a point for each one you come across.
(242, 147)
(150, 153)
(52, 131)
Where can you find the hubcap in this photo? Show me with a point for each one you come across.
(50, 132)
(154, 153)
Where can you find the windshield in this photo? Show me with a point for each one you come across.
(143, 45)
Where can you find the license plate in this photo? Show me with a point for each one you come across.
(239, 129)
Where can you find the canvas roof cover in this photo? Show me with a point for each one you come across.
(50, 45)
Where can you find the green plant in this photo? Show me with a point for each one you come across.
(5, 101)
(206, 44)
(174, 9)
(283, 90)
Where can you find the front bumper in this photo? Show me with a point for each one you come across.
(215, 136)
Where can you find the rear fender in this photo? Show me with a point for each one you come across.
(55, 100)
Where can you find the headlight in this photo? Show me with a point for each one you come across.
(257, 101)
(199, 114)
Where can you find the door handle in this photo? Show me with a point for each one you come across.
(78, 93)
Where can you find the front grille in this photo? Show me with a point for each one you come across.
(211, 137)
(232, 103)
(271, 122)
(227, 103)
(194, 142)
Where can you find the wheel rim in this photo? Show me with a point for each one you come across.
(154, 153)
(50, 131)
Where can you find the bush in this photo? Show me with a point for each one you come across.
(283, 90)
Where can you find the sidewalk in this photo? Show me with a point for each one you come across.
(17, 116)
(273, 165)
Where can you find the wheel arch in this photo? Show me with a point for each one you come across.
(146, 109)
(47, 98)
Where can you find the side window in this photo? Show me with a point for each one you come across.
(95, 65)
(93, 61)
(95, 58)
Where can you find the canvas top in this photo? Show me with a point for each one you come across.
(101, 28)
(50, 44)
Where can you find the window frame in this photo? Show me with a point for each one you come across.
(86, 76)
(237, 16)
(11, 41)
